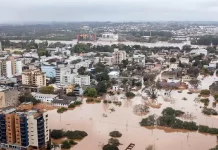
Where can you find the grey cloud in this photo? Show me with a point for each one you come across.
(107, 10)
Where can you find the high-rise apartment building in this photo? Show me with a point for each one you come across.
(118, 56)
(34, 78)
(10, 67)
(23, 129)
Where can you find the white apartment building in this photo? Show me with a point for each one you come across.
(61, 71)
(34, 128)
(8, 69)
(68, 78)
(18, 67)
(139, 59)
(82, 80)
(118, 56)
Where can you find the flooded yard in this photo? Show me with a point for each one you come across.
(98, 120)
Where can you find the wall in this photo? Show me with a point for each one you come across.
(49, 70)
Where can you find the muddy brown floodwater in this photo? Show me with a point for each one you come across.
(89, 118)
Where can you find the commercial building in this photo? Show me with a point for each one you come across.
(118, 56)
(34, 78)
(23, 129)
(8, 97)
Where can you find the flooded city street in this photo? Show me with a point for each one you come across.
(89, 118)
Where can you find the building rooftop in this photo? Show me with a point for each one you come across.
(44, 95)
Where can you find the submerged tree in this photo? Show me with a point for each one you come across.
(195, 83)
(152, 92)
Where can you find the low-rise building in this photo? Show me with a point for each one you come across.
(113, 74)
(139, 59)
(44, 97)
(198, 52)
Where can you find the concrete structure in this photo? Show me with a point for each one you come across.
(49, 70)
(69, 89)
(18, 67)
(184, 59)
(23, 129)
(198, 52)
(8, 97)
(113, 74)
(60, 72)
(109, 37)
(139, 59)
(44, 97)
(118, 56)
(34, 77)
(8, 69)
(82, 80)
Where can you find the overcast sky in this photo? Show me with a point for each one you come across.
(108, 10)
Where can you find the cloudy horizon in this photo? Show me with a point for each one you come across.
(114, 10)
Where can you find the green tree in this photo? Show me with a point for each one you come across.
(28, 98)
(115, 134)
(110, 147)
(101, 87)
(81, 70)
(173, 60)
(66, 144)
(90, 92)
(47, 90)
(57, 134)
(195, 83)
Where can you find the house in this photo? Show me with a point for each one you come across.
(113, 74)
(149, 65)
(198, 52)
(187, 78)
(139, 59)
(44, 97)
(184, 59)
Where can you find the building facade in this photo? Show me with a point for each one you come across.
(34, 77)
(118, 56)
(49, 70)
(8, 97)
(82, 80)
(23, 129)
